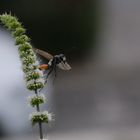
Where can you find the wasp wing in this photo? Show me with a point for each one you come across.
(43, 53)
(64, 66)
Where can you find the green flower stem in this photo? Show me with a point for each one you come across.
(39, 123)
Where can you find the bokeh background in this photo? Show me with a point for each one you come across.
(99, 98)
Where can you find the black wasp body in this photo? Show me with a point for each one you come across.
(56, 61)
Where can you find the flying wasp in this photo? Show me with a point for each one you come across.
(53, 62)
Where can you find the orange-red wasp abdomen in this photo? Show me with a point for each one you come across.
(43, 67)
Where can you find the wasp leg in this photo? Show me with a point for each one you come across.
(54, 68)
(53, 64)
(55, 72)
(47, 75)
(50, 71)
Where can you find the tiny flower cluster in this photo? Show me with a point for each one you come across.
(35, 85)
(44, 117)
(36, 99)
(27, 69)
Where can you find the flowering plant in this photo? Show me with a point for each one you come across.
(33, 75)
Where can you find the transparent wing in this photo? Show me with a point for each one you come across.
(43, 53)
(64, 65)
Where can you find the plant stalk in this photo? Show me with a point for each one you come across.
(39, 123)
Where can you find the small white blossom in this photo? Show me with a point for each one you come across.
(49, 115)
(39, 71)
(41, 80)
(34, 114)
(38, 80)
(30, 82)
(42, 96)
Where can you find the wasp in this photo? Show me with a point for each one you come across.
(53, 62)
